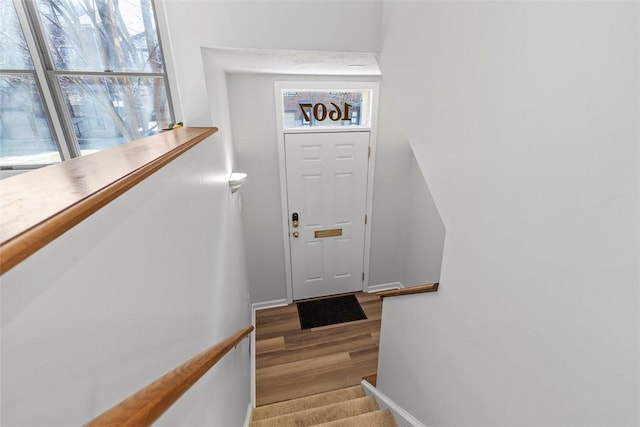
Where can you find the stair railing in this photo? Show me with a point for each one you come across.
(431, 287)
(149, 403)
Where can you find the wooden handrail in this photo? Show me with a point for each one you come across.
(431, 287)
(150, 402)
(39, 206)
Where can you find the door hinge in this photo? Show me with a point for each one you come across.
(363, 276)
(369, 152)
(365, 218)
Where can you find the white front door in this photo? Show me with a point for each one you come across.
(326, 195)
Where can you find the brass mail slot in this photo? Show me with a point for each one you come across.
(328, 233)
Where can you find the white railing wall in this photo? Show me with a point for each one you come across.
(126, 295)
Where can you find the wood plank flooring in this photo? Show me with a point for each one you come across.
(292, 362)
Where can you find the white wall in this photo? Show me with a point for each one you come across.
(199, 89)
(152, 279)
(524, 120)
(422, 241)
(391, 196)
(407, 230)
(253, 116)
(189, 25)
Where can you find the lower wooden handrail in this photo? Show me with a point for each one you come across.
(431, 287)
(149, 403)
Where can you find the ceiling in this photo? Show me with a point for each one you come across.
(302, 62)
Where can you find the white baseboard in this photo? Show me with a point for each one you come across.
(247, 417)
(252, 363)
(384, 287)
(258, 306)
(402, 417)
(269, 304)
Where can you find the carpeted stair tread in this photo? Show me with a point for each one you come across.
(321, 414)
(308, 402)
(381, 418)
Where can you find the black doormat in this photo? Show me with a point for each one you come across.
(329, 311)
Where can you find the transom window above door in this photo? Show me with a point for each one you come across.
(307, 108)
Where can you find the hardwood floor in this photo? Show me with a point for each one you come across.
(292, 362)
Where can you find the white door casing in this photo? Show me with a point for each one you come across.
(327, 189)
(280, 88)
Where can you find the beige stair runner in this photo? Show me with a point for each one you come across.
(347, 407)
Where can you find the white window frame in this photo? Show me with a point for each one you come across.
(61, 126)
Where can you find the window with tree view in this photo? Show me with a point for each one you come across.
(25, 135)
(103, 69)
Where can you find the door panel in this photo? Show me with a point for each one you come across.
(326, 187)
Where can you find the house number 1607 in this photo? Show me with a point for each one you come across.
(320, 112)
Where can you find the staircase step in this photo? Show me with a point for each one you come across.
(308, 402)
(370, 419)
(321, 414)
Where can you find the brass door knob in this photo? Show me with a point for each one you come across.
(295, 234)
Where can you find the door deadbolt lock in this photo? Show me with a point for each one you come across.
(296, 234)
(294, 220)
